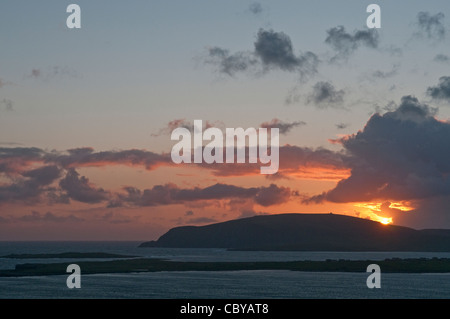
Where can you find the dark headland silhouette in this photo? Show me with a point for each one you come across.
(307, 232)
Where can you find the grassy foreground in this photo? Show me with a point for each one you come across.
(417, 265)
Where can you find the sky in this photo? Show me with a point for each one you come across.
(86, 114)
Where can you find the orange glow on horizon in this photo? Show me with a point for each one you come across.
(375, 211)
(385, 220)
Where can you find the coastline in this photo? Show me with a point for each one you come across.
(392, 265)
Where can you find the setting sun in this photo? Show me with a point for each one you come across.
(385, 220)
(375, 211)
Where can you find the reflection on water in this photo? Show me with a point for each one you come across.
(237, 284)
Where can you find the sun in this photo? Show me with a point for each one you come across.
(385, 220)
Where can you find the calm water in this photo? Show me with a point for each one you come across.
(223, 284)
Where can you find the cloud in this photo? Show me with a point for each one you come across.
(231, 64)
(17, 159)
(386, 74)
(442, 90)
(442, 58)
(170, 194)
(398, 156)
(431, 26)
(189, 213)
(43, 175)
(276, 51)
(345, 43)
(256, 8)
(272, 51)
(9, 104)
(47, 217)
(272, 195)
(324, 95)
(182, 123)
(341, 126)
(52, 72)
(284, 127)
(29, 185)
(57, 196)
(38, 176)
(79, 188)
(297, 161)
(112, 218)
(86, 156)
(22, 191)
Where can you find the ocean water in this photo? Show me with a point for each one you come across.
(222, 284)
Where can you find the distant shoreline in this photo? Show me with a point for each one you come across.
(393, 265)
(66, 255)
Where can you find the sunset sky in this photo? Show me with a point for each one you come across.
(86, 115)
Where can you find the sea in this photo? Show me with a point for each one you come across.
(249, 284)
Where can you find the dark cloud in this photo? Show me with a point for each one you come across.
(442, 90)
(231, 64)
(441, 58)
(345, 43)
(24, 191)
(26, 185)
(341, 126)
(402, 155)
(324, 95)
(293, 160)
(272, 51)
(169, 194)
(35, 73)
(256, 8)
(56, 196)
(284, 127)
(43, 175)
(79, 188)
(16, 159)
(88, 157)
(276, 51)
(272, 195)
(431, 26)
(36, 175)
(29, 186)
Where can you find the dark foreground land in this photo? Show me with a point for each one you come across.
(418, 265)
